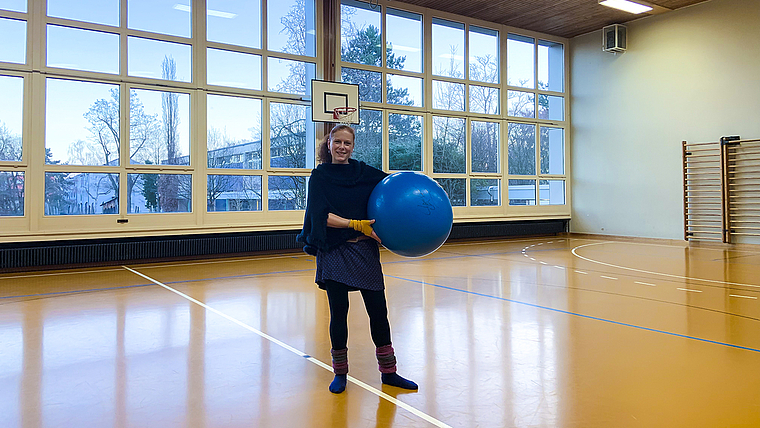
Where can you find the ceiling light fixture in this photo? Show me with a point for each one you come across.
(627, 5)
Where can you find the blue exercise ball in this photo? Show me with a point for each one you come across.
(412, 213)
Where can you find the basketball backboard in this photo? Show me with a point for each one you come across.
(327, 96)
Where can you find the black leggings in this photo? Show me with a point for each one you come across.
(377, 309)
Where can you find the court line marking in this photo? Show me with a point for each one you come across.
(319, 363)
(608, 277)
(561, 311)
(645, 283)
(653, 273)
(34, 275)
(76, 291)
(743, 297)
(582, 273)
(689, 289)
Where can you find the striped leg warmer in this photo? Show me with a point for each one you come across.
(340, 361)
(386, 359)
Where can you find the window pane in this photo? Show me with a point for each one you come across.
(81, 123)
(521, 104)
(287, 193)
(291, 133)
(160, 129)
(236, 23)
(11, 193)
(551, 192)
(291, 28)
(448, 48)
(368, 146)
(233, 193)
(405, 142)
(370, 83)
(234, 69)
(292, 77)
(484, 55)
(159, 193)
(104, 12)
(551, 66)
(360, 38)
(484, 192)
(522, 149)
(484, 99)
(86, 50)
(449, 145)
(448, 95)
(551, 107)
(520, 60)
(13, 5)
(171, 17)
(75, 193)
(485, 146)
(404, 39)
(455, 188)
(159, 60)
(552, 150)
(11, 117)
(234, 132)
(522, 192)
(13, 35)
(405, 91)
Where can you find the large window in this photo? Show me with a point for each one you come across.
(482, 111)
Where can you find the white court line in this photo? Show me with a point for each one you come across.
(361, 384)
(743, 297)
(608, 277)
(582, 273)
(559, 267)
(533, 259)
(689, 289)
(543, 263)
(645, 283)
(653, 273)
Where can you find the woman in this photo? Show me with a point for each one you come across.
(337, 232)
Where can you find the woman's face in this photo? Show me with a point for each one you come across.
(341, 146)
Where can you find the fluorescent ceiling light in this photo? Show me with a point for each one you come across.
(626, 5)
(220, 14)
(209, 12)
(405, 48)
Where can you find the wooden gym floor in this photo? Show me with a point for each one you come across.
(539, 332)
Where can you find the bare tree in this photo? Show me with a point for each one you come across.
(10, 144)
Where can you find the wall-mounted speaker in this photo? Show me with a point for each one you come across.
(614, 38)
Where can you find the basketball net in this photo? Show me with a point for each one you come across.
(345, 115)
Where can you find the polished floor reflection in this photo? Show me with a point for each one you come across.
(540, 332)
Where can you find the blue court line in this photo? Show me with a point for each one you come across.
(533, 305)
(76, 291)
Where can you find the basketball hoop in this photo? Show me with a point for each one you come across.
(345, 115)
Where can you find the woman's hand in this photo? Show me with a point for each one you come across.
(365, 227)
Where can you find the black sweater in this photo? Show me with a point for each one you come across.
(341, 189)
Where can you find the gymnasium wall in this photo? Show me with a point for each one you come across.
(691, 74)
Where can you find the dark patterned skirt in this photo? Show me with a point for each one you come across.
(355, 264)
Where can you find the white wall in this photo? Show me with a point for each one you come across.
(691, 74)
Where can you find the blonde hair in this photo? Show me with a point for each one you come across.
(323, 153)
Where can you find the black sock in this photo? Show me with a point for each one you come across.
(338, 384)
(393, 379)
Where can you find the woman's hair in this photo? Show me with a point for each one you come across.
(323, 153)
